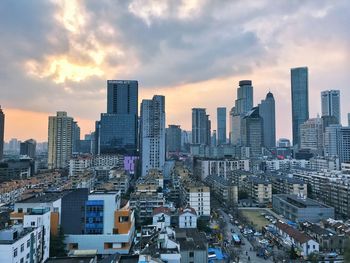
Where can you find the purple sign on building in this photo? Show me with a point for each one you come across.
(129, 163)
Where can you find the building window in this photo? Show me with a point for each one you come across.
(32, 223)
(191, 254)
(28, 243)
(22, 247)
(15, 253)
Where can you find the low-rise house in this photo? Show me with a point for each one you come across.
(187, 218)
(193, 245)
(302, 242)
(161, 217)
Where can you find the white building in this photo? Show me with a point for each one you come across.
(187, 218)
(28, 242)
(161, 217)
(153, 134)
(222, 168)
(79, 164)
(198, 197)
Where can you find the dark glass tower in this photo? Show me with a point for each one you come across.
(221, 122)
(2, 127)
(267, 112)
(300, 100)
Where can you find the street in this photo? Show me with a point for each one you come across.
(246, 247)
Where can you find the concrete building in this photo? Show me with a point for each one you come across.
(303, 243)
(288, 185)
(173, 138)
(29, 241)
(110, 230)
(201, 127)
(301, 208)
(225, 189)
(268, 114)
(75, 137)
(187, 218)
(258, 189)
(79, 164)
(2, 129)
(193, 245)
(197, 196)
(337, 142)
(219, 167)
(252, 132)
(330, 102)
(28, 148)
(300, 100)
(221, 126)
(311, 136)
(60, 142)
(161, 217)
(153, 134)
(243, 104)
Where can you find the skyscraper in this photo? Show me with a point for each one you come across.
(2, 128)
(221, 125)
(311, 136)
(117, 130)
(173, 138)
(252, 132)
(331, 103)
(337, 142)
(28, 148)
(76, 137)
(267, 112)
(60, 141)
(200, 127)
(243, 104)
(153, 134)
(300, 100)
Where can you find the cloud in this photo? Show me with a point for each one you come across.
(59, 53)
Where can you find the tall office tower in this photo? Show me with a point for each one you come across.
(337, 142)
(243, 104)
(267, 112)
(349, 119)
(200, 127)
(76, 137)
(330, 140)
(60, 141)
(213, 138)
(328, 120)
(117, 130)
(331, 103)
(221, 125)
(153, 134)
(311, 136)
(208, 130)
(252, 132)
(28, 148)
(173, 138)
(186, 140)
(2, 128)
(300, 100)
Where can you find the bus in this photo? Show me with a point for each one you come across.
(236, 240)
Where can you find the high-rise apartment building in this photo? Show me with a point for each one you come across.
(337, 142)
(300, 100)
(330, 102)
(311, 136)
(252, 132)
(76, 137)
(267, 112)
(60, 140)
(28, 148)
(201, 127)
(153, 134)
(117, 130)
(2, 128)
(221, 125)
(243, 104)
(173, 138)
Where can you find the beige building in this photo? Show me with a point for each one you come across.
(259, 190)
(60, 140)
(288, 185)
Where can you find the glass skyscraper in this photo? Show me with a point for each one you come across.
(267, 112)
(2, 126)
(330, 100)
(300, 100)
(117, 131)
(221, 122)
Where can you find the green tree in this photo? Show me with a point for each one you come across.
(57, 245)
(293, 254)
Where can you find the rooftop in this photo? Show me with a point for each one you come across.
(46, 197)
(88, 259)
(191, 239)
(294, 233)
(301, 202)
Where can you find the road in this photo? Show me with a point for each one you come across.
(243, 258)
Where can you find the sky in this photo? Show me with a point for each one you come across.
(56, 55)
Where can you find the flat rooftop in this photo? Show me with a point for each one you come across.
(301, 202)
(71, 260)
(46, 197)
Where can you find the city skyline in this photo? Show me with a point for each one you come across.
(69, 73)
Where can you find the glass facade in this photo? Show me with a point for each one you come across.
(94, 217)
(221, 129)
(300, 100)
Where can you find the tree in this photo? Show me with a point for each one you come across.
(57, 245)
(242, 195)
(293, 254)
